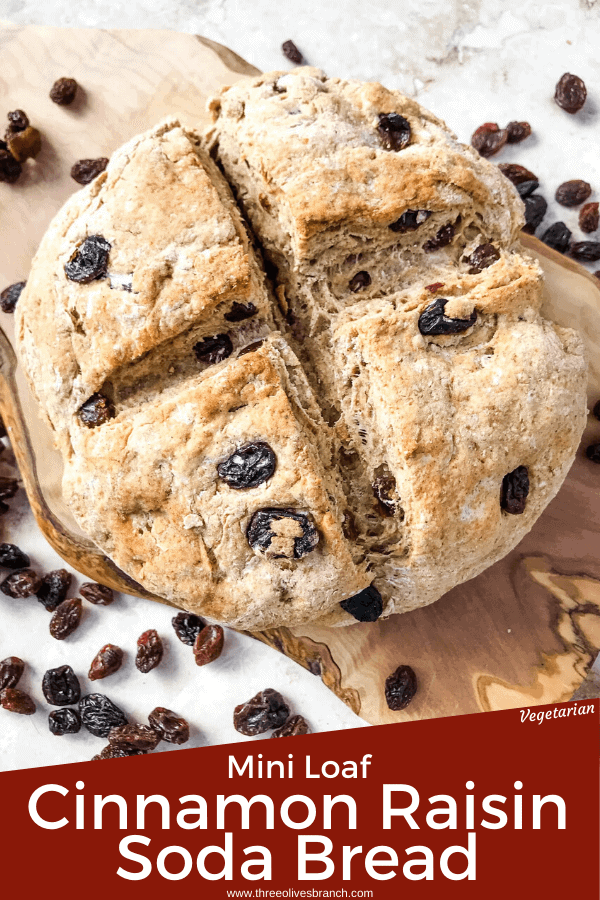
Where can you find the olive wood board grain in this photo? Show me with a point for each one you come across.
(523, 633)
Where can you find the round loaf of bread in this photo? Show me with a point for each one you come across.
(379, 418)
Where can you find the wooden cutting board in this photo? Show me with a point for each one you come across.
(523, 633)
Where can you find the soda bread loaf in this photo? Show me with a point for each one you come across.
(378, 418)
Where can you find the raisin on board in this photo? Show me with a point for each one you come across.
(21, 584)
(169, 726)
(214, 349)
(526, 188)
(98, 594)
(18, 120)
(90, 260)
(535, 210)
(10, 169)
(106, 662)
(65, 618)
(589, 218)
(586, 251)
(482, 258)
(570, 93)
(294, 725)
(264, 711)
(85, 170)
(97, 410)
(489, 139)
(394, 131)
(17, 701)
(366, 606)
(516, 173)
(24, 144)
(149, 652)
(63, 91)
(432, 320)
(557, 236)
(240, 311)
(99, 714)
(248, 466)
(282, 533)
(136, 737)
(187, 627)
(11, 557)
(208, 645)
(11, 670)
(593, 453)
(444, 236)
(359, 281)
(572, 193)
(10, 296)
(54, 588)
(61, 686)
(514, 491)
(291, 52)
(410, 220)
(400, 688)
(64, 721)
(517, 132)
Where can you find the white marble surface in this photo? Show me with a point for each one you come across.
(470, 62)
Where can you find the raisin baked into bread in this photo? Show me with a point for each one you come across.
(381, 418)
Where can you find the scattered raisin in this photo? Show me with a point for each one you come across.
(106, 662)
(65, 618)
(282, 533)
(24, 144)
(366, 606)
(572, 193)
(589, 218)
(489, 139)
(111, 752)
(13, 558)
(517, 132)
(98, 594)
(383, 488)
(593, 453)
(516, 173)
(17, 701)
(557, 236)
(61, 686)
(169, 726)
(21, 584)
(136, 737)
(394, 131)
(150, 651)
(208, 645)
(97, 410)
(359, 281)
(85, 170)
(294, 725)
(514, 492)
(99, 714)
(248, 466)
(482, 258)
(10, 296)
(535, 210)
(586, 251)
(54, 588)
(570, 93)
(215, 349)
(264, 711)
(187, 627)
(11, 670)
(291, 52)
(18, 120)
(400, 688)
(64, 721)
(432, 320)
(240, 311)
(444, 236)
(10, 169)
(90, 260)
(526, 188)
(63, 91)
(410, 220)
